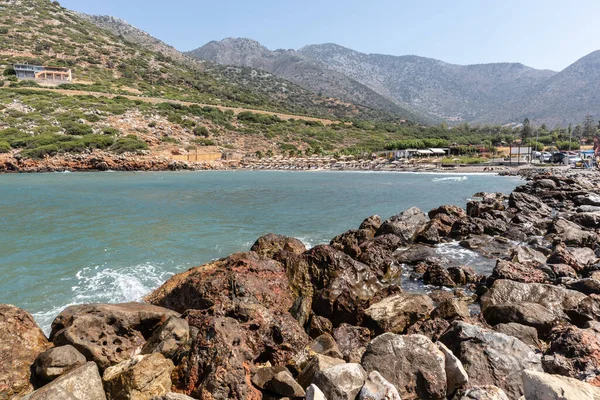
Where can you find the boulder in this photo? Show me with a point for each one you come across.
(573, 352)
(396, 313)
(490, 357)
(525, 273)
(377, 388)
(487, 392)
(528, 204)
(438, 276)
(541, 386)
(352, 341)
(525, 334)
(417, 254)
(264, 375)
(349, 241)
(81, 383)
(449, 210)
(373, 223)
(587, 286)
(571, 234)
(378, 255)
(283, 384)
(404, 225)
(57, 361)
(341, 382)
(463, 275)
(271, 244)
(319, 325)
(314, 393)
(451, 309)
(588, 199)
(528, 314)
(556, 299)
(431, 328)
(577, 258)
(587, 219)
(456, 376)
(172, 396)
(527, 255)
(168, 338)
(412, 363)
(139, 378)
(324, 344)
(317, 363)
(21, 340)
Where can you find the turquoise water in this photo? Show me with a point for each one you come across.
(112, 237)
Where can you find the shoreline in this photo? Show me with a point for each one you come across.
(340, 308)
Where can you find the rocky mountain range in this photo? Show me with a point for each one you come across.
(482, 93)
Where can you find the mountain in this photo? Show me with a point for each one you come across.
(307, 73)
(483, 93)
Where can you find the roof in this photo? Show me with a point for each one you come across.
(424, 151)
(438, 151)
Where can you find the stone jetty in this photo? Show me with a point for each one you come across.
(334, 322)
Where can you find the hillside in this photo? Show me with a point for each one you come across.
(295, 67)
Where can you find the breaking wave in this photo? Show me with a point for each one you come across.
(450, 178)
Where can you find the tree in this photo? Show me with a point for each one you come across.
(527, 131)
(589, 127)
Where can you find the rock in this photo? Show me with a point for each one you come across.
(139, 378)
(404, 225)
(556, 299)
(378, 255)
(431, 328)
(324, 344)
(542, 386)
(491, 357)
(573, 352)
(589, 199)
(264, 375)
(314, 393)
(373, 223)
(463, 275)
(456, 376)
(319, 325)
(57, 361)
(449, 210)
(527, 255)
(350, 241)
(525, 334)
(587, 219)
(528, 204)
(577, 258)
(108, 333)
(488, 392)
(417, 254)
(168, 338)
(451, 309)
(271, 244)
(563, 271)
(82, 383)
(283, 384)
(172, 396)
(519, 273)
(352, 341)
(21, 340)
(438, 276)
(396, 313)
(412, 363)
(317, 363)
(587, 286)
(528, 314)
(341, 382)
(491, 247)
(377, 388)
(571, 234)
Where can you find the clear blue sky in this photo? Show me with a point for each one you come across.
(540, 33)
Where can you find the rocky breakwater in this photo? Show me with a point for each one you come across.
(338, 322)
(97, 160)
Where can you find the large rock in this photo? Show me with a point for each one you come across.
(271, 244)
(172, 396)
(525, 273)
(438, 276)
(490, 357)
(529, 314)
(283, 384)
(377, 388)
(378, 255)
(588, 199)
(341, 382)
(528, 204)
(587, 219)
(579, 258)
(456, 376)
(317, 363)
(21, 340)
(486, 392)
(573, 352)
(412, 363)
(168, 338)
(571, 234)
(352, 341)
(373, 223)
(525, 334)
(556, 299)
(139, 378)
(108, 333)
(396, 313)
(431, 328)
(57, 361)
(404, 225)
(324, 345)
(541, 386)
(417, 254)
(82, 383)
(349, 242)
(314, 393)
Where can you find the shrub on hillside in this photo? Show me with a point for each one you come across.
(74, 128)
(4, 147)
(40, 152)
(129, 144)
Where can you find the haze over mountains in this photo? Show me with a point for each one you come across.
(483, 93)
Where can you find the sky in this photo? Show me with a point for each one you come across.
(544, 34)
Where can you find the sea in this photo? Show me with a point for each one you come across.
(72, 238)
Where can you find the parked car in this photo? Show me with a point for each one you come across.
(545, 157)
(574, 159)
(558, 158)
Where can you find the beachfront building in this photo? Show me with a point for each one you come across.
(38, 72)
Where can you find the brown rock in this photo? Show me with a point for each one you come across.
(525, 334)
(573, 352)
(319, 325)
(57, 361)
(404, 225)
(373, 223)
(108, 333)
(352, 341)
(396, 313)
(21, 340)
(431, 328)
(451, 309)
(519, 272)
(438, 276)
(271, 244)
(317, 363)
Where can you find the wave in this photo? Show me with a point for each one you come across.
(450, 178)
(102, 284)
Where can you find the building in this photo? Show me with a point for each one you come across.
(37, 72)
